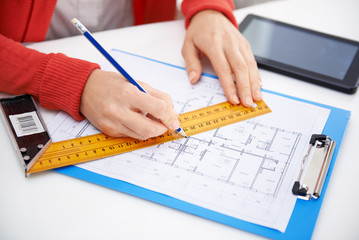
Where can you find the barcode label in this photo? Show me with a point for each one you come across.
(26, 124)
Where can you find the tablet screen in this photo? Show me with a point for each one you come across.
(301, 49)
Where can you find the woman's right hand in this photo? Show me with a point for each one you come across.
(116, 107)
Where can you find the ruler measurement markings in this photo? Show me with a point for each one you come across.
(98, 146)
(94, 153)
(111, 144)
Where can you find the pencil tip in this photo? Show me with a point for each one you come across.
(180, 131)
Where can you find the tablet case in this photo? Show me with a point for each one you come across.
(348, 85)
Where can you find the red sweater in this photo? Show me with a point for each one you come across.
(56, 80)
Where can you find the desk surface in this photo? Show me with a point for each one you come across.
(52, 206)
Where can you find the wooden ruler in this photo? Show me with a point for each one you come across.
(83, 149)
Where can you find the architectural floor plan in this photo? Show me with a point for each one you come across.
(244, 170)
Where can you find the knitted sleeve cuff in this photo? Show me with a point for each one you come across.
(62, 80)
(191, 7)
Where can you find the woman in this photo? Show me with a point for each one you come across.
(69, 84)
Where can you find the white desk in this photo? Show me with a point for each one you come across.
(52, 206)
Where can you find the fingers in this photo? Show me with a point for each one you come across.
(229, 62)
(246, 75)
(229, 52)
(127, 118)
(254, 77)
(120, 119)
(222, 68)
(158, 94)
(192, 59)
(116, 107)
(135, 125)
(159, 105)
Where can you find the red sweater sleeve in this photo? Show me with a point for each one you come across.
(191, 7)
(55, 80)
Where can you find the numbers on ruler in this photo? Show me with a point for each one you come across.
(97, 146)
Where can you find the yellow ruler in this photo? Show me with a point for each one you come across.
(79, 150)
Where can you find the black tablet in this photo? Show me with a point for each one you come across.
(302, 53)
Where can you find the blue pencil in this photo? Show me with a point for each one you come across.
(89, 36)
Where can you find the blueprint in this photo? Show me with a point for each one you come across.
(245, 170)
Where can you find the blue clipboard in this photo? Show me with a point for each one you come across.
(304, 216)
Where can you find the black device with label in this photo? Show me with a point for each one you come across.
(302, 53)
(26, 128)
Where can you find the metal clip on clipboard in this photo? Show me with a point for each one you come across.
(312, 184)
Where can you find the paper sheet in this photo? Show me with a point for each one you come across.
(245, 170)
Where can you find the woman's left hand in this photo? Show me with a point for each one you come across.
(212, 34)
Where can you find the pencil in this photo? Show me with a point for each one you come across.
(83, 30)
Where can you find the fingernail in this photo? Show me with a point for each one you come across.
(235, 99)
(249, 101)
(192, 76)
(175, 125)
